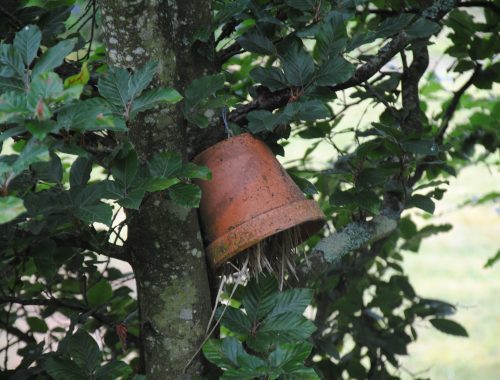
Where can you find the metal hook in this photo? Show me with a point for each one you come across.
(226, 126)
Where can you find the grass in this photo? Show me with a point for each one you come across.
(450, 267)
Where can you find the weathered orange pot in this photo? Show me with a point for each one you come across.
(250, 197)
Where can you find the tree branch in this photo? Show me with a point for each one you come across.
(450, 111)
(63, 302)
(331, 249)
(271, 100)
(25, 337)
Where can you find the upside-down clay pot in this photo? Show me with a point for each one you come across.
(249, 198)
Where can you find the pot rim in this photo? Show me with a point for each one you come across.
(304, 214)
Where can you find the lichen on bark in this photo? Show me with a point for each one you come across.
(173, 288)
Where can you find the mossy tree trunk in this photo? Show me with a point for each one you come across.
(164, 240)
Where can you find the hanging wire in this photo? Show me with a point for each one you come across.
(226, 126)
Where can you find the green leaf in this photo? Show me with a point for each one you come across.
(212, 350)
(293, 327)
(37, 325)
(421, 146)
(260, 297)
(125, 170)
(165, 164)
(99, 293)
(255, 42)
(331, 38)
(54, 56)
(13, 106)
(422, 28)
(11, 84)
(422, 202)
(292, 301)
(290, 357)
(64, 369)
(27, 42)
(298, 66)
(185, 194)
(141, 79)
(449, 327)
(113, 370)
(271, 77)
(89, 115)
(154, 184)
(306, 186)
(154, 97)
(236, 321)
(393, 25)
(492, 260)
(302, 5)
(84, 351)
(132, 199)
(32, 152)
(113, 85)
(312, 110)
(191, 170)
(11, 62)
(79, 173)
(10, 208)
(202, 88)
(95, 213)
(46, 86)
(336, 70)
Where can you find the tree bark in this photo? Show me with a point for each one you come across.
(164, 241)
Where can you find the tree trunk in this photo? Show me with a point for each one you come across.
(164, 240)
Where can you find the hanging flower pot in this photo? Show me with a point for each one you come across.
(251, 199)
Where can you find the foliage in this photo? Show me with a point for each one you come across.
(52, 197)
(71, 181)
(271, 328)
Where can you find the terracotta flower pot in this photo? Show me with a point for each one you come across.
(250, 197)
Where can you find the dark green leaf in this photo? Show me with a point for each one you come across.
(191, 170)
(260, 297)
(422, 202)
(298, 66)
(336, 70)
(422, 28)
(185, 194)
(37, 325)
(236, 321)
(54, 56)
(492, 260)
(113, 85)
(292, 301)
(271, 77)
(64, 369)
(255, 42)
(113, 370)
(95, 213)
(165, 164)
(11, 62)
(202, 88)
(449, 327)
(141, 79)
(27, 41)
(99, 293)
(89, 115)
(79, 173)
(84, 351)
(421, 146)
(302, 5)
(33, 151)
(154, 97)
